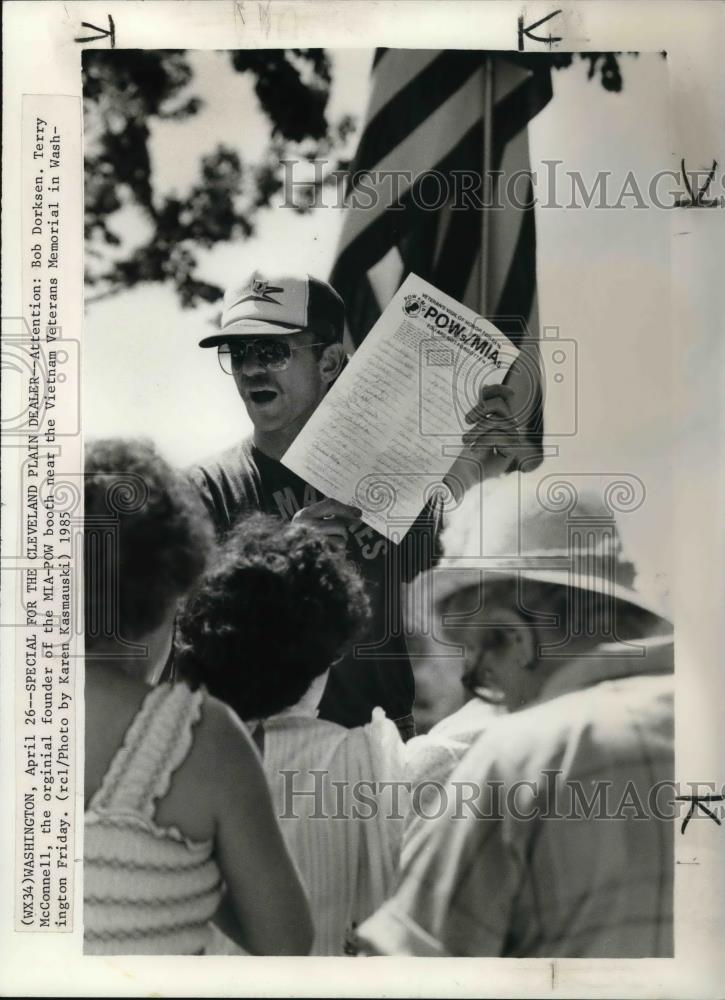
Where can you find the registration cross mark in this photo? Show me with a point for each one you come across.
(529, 32)
(697, 197)
(102, 33)
(699, 800)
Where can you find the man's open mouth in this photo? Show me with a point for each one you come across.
(485, 687)
(488, 690)
(262, 396)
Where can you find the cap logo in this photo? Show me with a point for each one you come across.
(261, 291)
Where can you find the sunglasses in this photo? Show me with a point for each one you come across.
(270, 353)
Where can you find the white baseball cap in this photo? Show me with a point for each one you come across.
(269, 305)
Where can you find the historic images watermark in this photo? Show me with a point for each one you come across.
(315, 795)
(317, 184)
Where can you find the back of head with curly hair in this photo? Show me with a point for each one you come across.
(271, 615)
(159, 533)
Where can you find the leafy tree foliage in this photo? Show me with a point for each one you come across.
(604, 63)
(125, 92)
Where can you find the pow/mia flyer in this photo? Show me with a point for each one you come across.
(526, 188)
(414, 379)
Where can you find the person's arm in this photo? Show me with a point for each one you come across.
(421, 549)
(460, 873)
(496, 441)
(493, 445)
(265, 910)
(226, 920)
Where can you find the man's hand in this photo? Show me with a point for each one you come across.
(490, 445)
(332, 518)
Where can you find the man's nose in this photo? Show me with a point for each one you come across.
(251, 364)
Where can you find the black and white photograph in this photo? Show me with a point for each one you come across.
(389, 554)
(243, 237)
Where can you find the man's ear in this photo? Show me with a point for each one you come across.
(332, 361)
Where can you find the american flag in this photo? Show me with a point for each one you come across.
(452, 113)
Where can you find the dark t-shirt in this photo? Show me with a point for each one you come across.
(377, 670)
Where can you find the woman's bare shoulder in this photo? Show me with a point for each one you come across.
(219, 773)
(223, 746)
(219, 721)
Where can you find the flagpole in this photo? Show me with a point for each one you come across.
(485, 305)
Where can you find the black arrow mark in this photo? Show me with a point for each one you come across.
(529, 32)
(111, 33)
(697, 198)
(697, 802)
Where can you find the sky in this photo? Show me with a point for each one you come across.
(603, 279)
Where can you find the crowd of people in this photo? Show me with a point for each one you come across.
(304, 739)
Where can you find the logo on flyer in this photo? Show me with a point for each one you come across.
(412, 305)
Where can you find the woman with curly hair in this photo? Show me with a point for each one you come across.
(179, 827)
(269, 620)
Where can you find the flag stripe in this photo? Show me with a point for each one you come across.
(504, 237)
(413, 105)
(388, 227)
(459, 253)
(518, 291)
(462, 240)
(430, 142)
(513, 112)
(374, 240)
(428, 147)
(391, 74)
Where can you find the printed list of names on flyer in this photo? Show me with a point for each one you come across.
(46, 660)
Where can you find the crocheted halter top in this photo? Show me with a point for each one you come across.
(147, 889)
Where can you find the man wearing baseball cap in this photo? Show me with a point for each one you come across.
(554, 834)
(280, 340)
